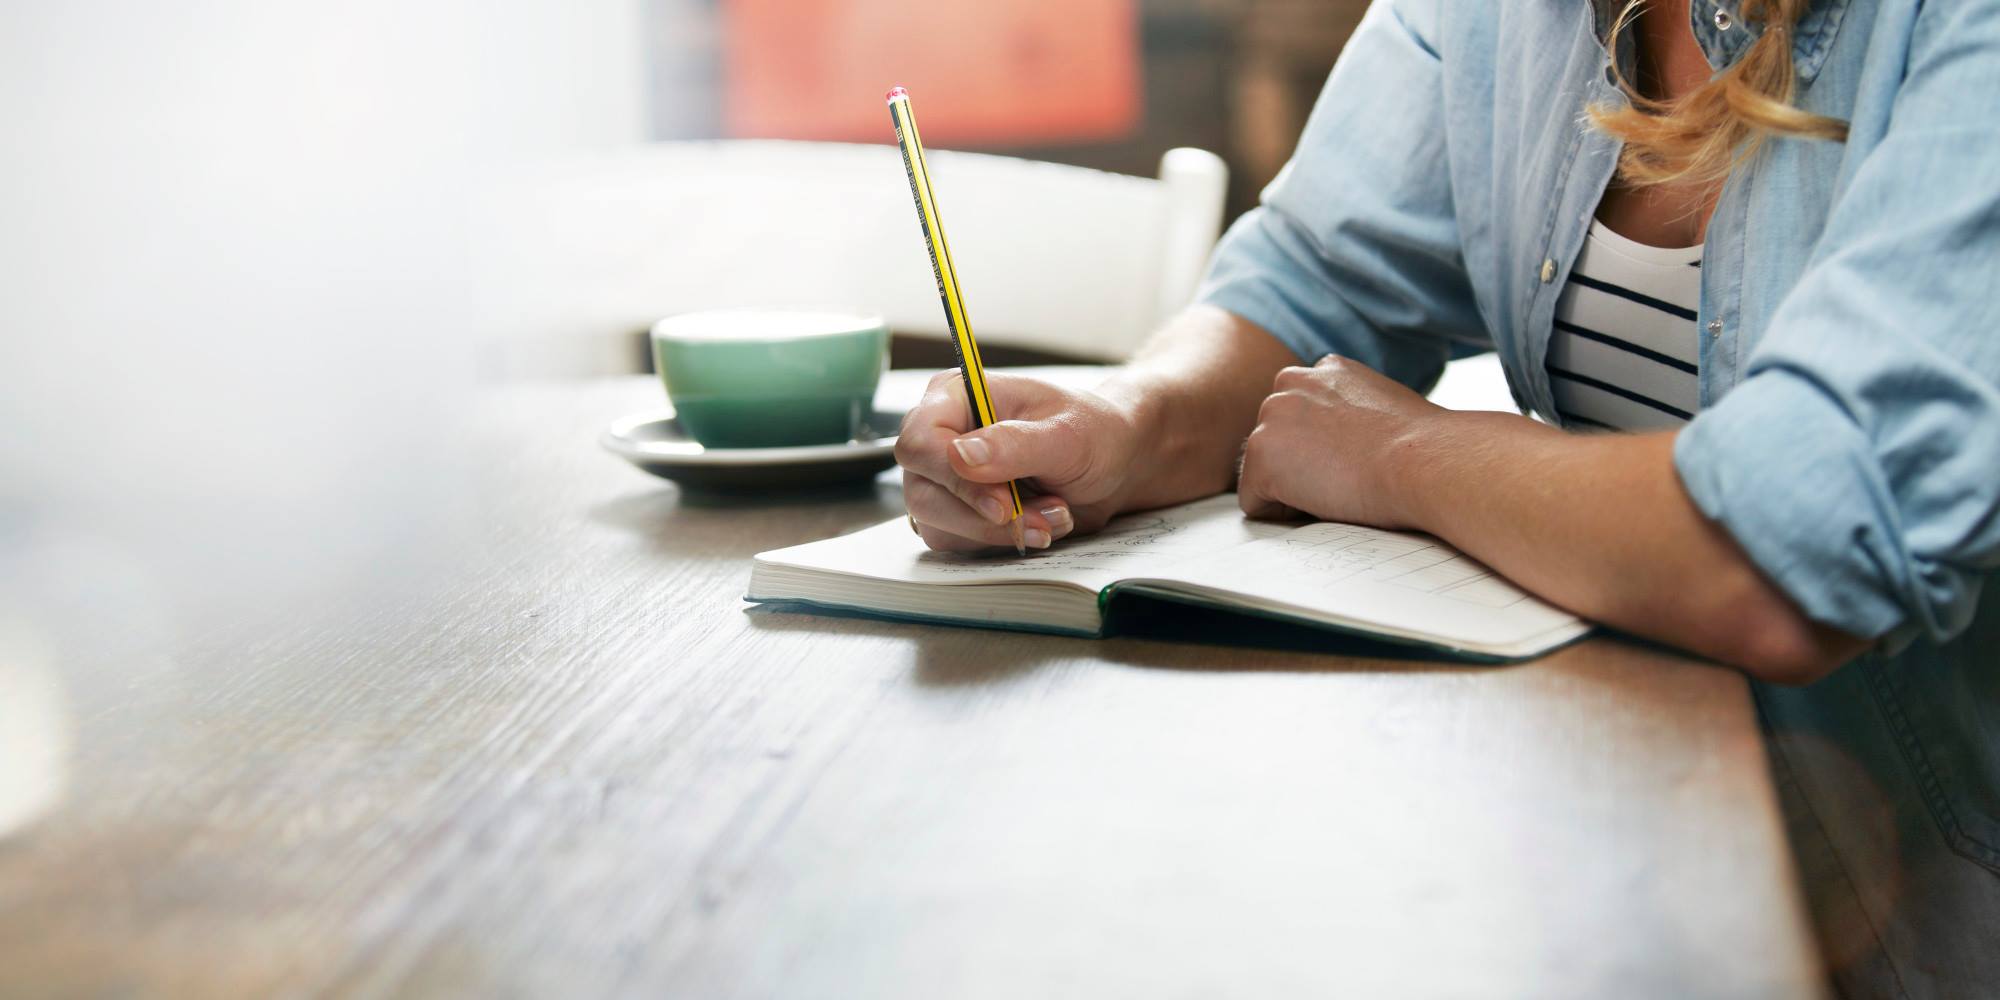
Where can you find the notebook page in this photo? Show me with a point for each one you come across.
(1407, 583)
(1132, 545)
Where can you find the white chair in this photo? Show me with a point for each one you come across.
(1062, 259)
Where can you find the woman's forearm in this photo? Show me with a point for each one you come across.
(1596, 523)
(1193, 390)
(1601, 525)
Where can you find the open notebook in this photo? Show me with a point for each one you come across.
(1384, 584)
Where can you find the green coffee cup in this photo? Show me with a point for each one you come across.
(755, 378)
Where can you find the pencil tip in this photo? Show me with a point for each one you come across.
(895, 92)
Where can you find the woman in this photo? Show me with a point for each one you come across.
(1758, 242)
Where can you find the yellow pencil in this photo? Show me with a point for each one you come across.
(947, 281)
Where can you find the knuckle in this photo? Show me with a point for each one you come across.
(1275, 407)
(920, 451)
(1257, 441)
(935, 411)
(943, 401)
(919, 496)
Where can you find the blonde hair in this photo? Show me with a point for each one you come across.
(1702, 135)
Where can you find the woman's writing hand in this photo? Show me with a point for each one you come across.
(1328, 442)
(1071, 450)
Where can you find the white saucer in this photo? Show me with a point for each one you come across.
(656, 442)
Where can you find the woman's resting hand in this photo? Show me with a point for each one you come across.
(1328, 443)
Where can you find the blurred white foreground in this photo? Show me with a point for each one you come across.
(236, 314)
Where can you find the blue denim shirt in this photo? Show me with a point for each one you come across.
(1849, 436)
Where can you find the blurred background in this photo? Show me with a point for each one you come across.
(259, 258)
(1109, 84)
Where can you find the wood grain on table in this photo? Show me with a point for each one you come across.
(580, 765)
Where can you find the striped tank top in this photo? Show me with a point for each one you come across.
(1625, 351)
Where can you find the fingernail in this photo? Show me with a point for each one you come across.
(1059, 520)
(992, 509)
(973, 450)
(1036, 538)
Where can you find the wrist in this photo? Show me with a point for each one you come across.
(1137, 413)
(1132, 402)
(1163, 452)
(1447, 461)
(1417, 466)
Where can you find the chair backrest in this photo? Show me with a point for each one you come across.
(1064, 259)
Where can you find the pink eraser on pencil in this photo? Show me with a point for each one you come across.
(895, 92)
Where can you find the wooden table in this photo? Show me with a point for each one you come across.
(581, 765)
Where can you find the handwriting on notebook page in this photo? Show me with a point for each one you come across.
(1328, 554)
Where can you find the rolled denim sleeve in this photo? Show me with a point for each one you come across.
(1858, 462)
(1354, 248)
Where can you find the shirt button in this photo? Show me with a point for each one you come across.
(1714, 328)
(1723, 20)
(1548, 270)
